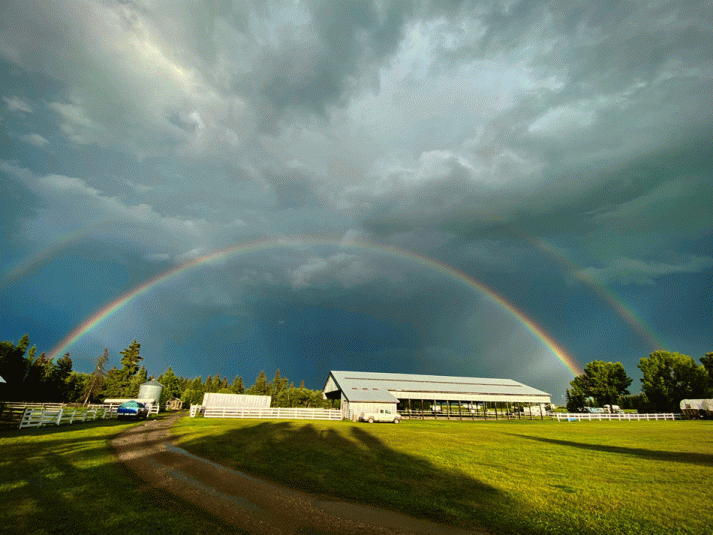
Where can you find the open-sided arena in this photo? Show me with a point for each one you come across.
(433, 396)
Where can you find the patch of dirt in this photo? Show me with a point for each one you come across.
(249, 504)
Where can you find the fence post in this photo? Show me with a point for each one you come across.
(22, 419)
(59, 416)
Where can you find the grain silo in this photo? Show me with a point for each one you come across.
(150, 390)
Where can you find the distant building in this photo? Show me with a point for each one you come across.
(370, 391)
(214, 400)
(174, 404)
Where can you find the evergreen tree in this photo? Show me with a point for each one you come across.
(277, 390)
(238, 386)
(171, 386)
(130, 358)
(35, 383)
(136, 381)
(193, 395)
(58, 375)
(112, 385)
(77, 384)
(118, 381)
(260, 387)
(217, 384)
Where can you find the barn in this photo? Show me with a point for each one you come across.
(213, 400)
(432, 396)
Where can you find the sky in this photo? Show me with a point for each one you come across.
(492, 189)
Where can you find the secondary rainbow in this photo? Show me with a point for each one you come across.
(605, 294)
(260, 245)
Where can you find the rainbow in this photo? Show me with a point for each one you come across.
(608, 296)
(260, 245)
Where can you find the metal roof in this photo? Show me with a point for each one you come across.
(383, 387)
(151, 382)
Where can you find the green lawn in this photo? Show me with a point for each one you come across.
(65, 480)
(508, 476)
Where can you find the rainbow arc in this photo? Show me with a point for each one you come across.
(247, 248)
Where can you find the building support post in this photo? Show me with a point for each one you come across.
(460, 411)
(485, 410)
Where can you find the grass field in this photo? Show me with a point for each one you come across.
(509, 477)
(65, 480)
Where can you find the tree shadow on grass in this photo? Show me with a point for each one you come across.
(350, 463)
(703, 459)
(61, 480)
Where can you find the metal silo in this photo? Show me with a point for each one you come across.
(151, 390)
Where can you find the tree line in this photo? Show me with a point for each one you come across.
(667, 379)
(29, 377)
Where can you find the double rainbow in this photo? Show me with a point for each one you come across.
(261, 245)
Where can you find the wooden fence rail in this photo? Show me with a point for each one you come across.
(40, 416)
(28, 414)
(576, 416)
(274, 413)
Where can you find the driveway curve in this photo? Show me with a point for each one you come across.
(249, 504)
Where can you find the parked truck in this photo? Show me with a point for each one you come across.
(383, 415)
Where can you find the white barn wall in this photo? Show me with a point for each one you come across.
(213, 399)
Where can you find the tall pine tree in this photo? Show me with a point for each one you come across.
(238, 386)
(260, 388)
(118, 381)
(171, 386)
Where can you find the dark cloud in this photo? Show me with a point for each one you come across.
(552, 150)
(321, 67)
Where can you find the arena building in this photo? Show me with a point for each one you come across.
(433, 396)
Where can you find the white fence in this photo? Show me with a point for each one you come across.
(39, 416)
(577, 416)
(274, 413)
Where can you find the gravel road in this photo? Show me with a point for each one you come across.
(248, 504)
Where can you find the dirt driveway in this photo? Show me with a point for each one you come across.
(248, 504)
